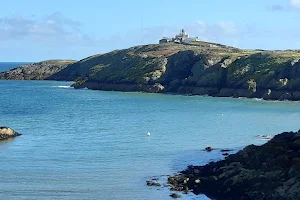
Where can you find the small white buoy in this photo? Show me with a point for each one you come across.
(148, 133)
(222, 114)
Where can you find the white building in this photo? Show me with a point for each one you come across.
(194, 39)
(181, 38)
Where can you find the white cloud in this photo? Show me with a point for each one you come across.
(290, 6)
(53, 29)
(226, 32)
(228, 28)
(59, 30)
(277, 7)
(50, 21)
(295, 4)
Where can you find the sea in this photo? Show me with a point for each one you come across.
(87, 144)
(10, 65)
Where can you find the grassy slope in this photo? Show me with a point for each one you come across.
(196, 68)
(36, 71)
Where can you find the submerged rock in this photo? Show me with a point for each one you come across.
(153, 184)
(6, 133)
(225, 150)
(175, 196)
(209, 149)
(270, 171)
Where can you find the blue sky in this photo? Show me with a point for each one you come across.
(35, 30)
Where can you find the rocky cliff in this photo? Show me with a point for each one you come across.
(270, 171)
(35, 71)
(198, 68)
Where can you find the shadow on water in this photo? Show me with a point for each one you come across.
(8, 141)
(200, 157)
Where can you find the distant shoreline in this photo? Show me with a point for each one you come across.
(196, 68)
(172, 93)
(4, 66)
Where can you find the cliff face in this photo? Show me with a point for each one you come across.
(166, 66)
(197, 69)
(35, 71)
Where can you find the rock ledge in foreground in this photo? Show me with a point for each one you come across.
(270, 171)
(7, 133)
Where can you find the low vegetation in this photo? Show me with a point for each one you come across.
(197, 68)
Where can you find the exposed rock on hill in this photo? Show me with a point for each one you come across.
(198, 68)
(35, 71)
(6, 133)
(270, 171)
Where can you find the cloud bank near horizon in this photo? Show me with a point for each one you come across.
(292, 5)
(59, 36)
(53, 29)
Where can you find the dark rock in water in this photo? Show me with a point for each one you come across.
(7, 133)
(225, 150)
(175, 196)
(208, 149)
(153, 184)
(267, 172)
(225, 154)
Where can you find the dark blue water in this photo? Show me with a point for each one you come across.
(84, 144)
(10, 65)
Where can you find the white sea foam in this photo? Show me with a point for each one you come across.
(265, 137)
(63, 86)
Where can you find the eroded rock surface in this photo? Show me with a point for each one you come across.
(7, 133)
(267, 172)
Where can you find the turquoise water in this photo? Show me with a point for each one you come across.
(84, 144)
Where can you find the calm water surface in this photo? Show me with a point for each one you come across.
(10, 65)
(84, 144)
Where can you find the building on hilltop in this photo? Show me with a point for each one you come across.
(165, 40)
(188, 40)
(181, 38)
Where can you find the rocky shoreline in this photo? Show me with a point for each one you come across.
(7, 133)
(269, 171)
(193, 91)
(194, 69)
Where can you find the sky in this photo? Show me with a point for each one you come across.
(35, 30)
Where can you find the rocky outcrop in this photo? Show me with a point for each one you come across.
(155, 88)
(191, 69)
(35, 71)
(7, 133)
(267, 172)
(203, 69)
